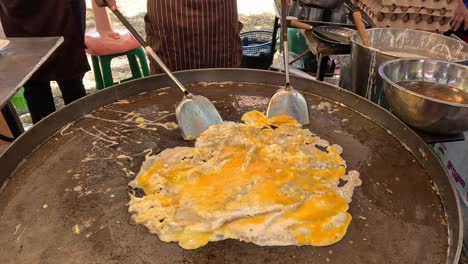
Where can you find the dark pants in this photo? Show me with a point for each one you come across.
(38, 95)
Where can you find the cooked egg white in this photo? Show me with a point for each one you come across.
(265, 181)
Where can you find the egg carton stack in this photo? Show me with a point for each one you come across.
(430, 15)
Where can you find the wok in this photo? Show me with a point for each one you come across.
(327, 4)
(64, 190)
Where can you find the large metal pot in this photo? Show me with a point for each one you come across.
(328, 4)
(424, 112)
(365, 61)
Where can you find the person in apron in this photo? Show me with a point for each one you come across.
(67, 65)
(192, 34)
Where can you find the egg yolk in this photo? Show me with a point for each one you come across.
(265, 181)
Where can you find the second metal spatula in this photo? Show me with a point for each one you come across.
(195, 113)
(288, 101)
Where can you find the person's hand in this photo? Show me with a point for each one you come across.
(460, 16)
(110, 3)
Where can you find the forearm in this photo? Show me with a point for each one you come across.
(110, 3)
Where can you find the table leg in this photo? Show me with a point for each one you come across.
(321, 67)
(13, 122)
(273, 39)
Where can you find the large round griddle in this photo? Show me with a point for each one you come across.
(406, 210)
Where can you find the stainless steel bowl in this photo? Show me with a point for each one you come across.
(420, 111)
(365, 61)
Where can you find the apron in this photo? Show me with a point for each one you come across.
(194, 34)
(49, 18)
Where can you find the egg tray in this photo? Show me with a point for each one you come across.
(65, 189)
(420, 21)
(376, 6)
(433, 4)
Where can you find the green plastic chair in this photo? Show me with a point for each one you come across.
(103, 71)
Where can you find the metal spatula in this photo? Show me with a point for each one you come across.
(195, 113)
(288, 101)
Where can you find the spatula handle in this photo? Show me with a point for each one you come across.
(300, 25)
(284, 30)
(361, 28)
(150, 51)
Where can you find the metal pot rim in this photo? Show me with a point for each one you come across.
(384, 76)
(355, 37)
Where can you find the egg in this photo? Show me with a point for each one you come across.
(264, 181)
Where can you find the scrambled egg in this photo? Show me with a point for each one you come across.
(266, 181)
